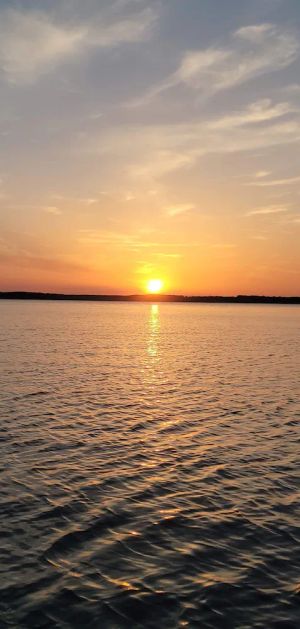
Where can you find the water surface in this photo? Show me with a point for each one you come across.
(149, 466)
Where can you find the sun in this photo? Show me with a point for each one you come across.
(154, 286)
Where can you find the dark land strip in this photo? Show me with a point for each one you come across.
(214, 299)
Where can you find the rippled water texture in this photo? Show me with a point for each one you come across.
(149, 466)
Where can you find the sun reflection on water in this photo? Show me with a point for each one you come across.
(154, 330)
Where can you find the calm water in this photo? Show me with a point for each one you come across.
(149, 466)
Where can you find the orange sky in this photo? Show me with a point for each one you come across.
(148, 140)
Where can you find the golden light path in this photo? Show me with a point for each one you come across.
(154, 286)
(154, 325)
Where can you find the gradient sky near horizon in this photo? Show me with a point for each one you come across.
(150, 139)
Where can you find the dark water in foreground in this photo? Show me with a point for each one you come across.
(149, 466)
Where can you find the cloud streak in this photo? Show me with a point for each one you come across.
(275, 182)
(265, 211)
(254, 51)
(152, 151)
(32, 42)
(261, 111)
(176, 210)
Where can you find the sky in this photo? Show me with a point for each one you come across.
(150, 139)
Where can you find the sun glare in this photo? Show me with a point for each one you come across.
(154, 286)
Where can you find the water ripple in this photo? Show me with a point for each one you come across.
(149, 466)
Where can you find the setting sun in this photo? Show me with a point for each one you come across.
(154, 286)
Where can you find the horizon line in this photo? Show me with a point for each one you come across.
(160, 297)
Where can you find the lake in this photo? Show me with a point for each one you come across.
(149, 465)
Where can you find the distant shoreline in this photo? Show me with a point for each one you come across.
(211, 299)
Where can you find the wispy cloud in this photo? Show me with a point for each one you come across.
(261, 237)
(52, 209)
(275, 182)
(224, 245)
(32, 42)
(254, 50)
(169, 255)
(121, 31)
(260, 111)
(294, 88)
(27, 259)
(3, 194)
(132, 241)
(262, 173)
(152, 151)
(263, 211)
(175, 210)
